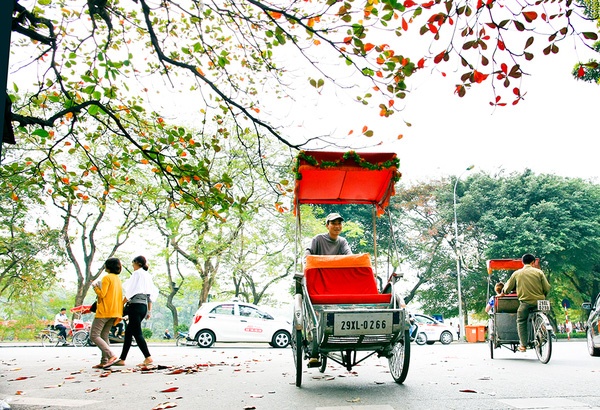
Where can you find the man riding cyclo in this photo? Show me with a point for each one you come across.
(531, 285)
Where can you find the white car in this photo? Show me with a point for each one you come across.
(237, 321)
(431, 331)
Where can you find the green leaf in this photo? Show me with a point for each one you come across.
(41, 133)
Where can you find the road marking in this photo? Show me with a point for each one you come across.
(545, 403)
(359, 407)
(46, 401)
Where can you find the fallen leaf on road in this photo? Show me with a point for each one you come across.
(467, 391)
(21, 378)
(257, 396)
(14, 370)
(249, 408)
(355, 400)
(19, 393)
(92, 390)
(170, 390)
(53, 386)
(105, 374)
(168, 405)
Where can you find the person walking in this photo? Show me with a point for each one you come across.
(531, 285)
(140, 292)
(110, 307)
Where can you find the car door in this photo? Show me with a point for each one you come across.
(223, 322)
(594, 322)
(254, 324)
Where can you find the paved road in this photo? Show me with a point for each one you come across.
(457, 376)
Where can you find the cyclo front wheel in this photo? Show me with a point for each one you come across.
(541, 338)
(296, 339)
(400, 358)
(80, 338)
(297, 349)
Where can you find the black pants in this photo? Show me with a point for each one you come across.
(137, 313)
(62, 331)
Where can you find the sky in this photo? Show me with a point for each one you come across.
(553, 130)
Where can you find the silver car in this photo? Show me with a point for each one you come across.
(591, 327)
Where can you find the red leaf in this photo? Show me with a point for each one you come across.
(168, 405)
(530, 16)
(439, 57)
(580, 72)
(501, 45)
(170, 390)
(421, 63)
(504, 68)
(479, 77)
(432, 28)
(409, 3)
(404, 25)
(516, 91)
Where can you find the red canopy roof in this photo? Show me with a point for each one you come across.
(507, 264)
(324, 177)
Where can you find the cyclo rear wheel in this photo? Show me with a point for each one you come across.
(400, 358)
(541, 338)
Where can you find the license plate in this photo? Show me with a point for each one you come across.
(345, 324)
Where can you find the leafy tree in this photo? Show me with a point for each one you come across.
(93, 59)
(553, 217)
(499, 216)
(30, 254)
(590, 71)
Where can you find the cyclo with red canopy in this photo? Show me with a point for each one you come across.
(339, 312)
(502, 331)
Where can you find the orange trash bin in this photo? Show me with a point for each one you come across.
(471, 333)
(481, 333)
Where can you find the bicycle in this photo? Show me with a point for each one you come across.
(183, 339)
(51, 337)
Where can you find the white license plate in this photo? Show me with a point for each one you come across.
(362, 324)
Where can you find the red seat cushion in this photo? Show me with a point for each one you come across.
(342, 279)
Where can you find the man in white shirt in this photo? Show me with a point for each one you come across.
(61, 323)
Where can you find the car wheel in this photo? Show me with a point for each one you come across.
(280, 339)
(421, 338)
(205, 338)
(430, 342)
(446, 338)
(593, 351)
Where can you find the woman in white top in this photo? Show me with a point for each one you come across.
(139, 290)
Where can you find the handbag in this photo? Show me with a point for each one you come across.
(94, 307)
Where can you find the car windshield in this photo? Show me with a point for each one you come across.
(249, 311)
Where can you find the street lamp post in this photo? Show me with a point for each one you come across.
(461, 319)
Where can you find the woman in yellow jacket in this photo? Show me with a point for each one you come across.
(110, 307)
